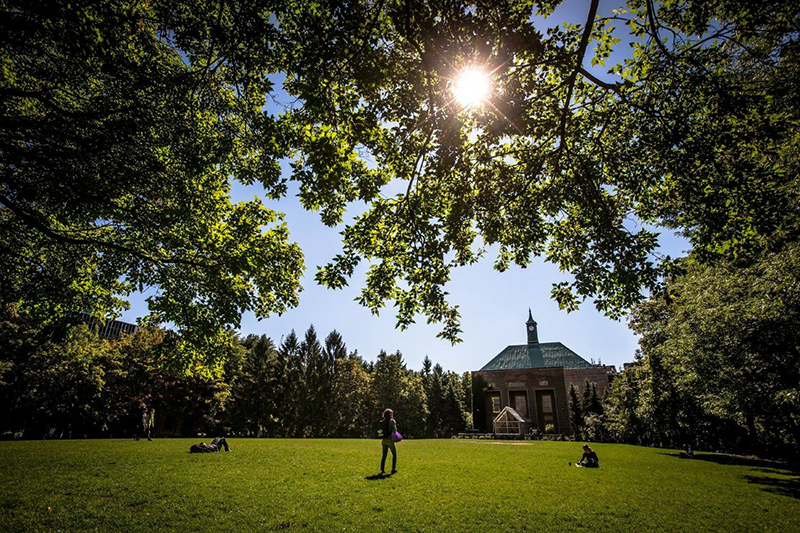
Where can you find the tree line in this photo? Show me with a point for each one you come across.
(76, 384)
(719, 362)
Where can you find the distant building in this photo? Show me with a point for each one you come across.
(534, 380)
(109, 329)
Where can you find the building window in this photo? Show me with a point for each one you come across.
(496, 407)
(547, 404)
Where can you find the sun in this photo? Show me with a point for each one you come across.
(471, 87)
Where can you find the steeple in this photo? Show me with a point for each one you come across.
(534, 350)
(533, 334)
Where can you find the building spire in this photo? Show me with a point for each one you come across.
(533, 334)
(534, 350)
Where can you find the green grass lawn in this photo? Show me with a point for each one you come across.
(442, 485)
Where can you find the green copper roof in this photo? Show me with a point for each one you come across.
(554, 354)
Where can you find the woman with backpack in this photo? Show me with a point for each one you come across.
(390, 436)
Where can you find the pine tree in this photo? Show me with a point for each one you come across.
(453, 415)
(436, 402)
(256, 388)
(426, 367)
(314, 397)
(292, 379)
(575, 412)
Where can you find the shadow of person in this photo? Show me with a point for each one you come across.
(378, 476)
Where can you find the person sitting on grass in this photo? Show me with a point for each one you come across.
(589, 459)
(215, 447)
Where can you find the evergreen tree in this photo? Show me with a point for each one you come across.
(575, 412)
(586, 396)
(453, 414)
(426, 368)
(292, 378)
(256, 388)
(314, 398)
(590, 403)
(466, 387)
(436, 402)
(395, 387)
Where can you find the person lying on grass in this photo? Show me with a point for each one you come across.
(215, 447)
(589, 459)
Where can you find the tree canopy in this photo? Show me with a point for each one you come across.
(124, 124)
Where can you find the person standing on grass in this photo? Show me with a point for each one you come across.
(144, 420)
(388, 426)
(149, 423)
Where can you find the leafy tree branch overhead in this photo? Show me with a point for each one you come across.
(123, 122)
(567, 158)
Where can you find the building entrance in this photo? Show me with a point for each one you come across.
(546, 408)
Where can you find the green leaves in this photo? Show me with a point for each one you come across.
(124, 124)
(725, 339)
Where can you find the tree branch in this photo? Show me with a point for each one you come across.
(651, 17)
(42, 97)
(587, 32)
(36, 224)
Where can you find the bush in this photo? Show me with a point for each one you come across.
(549, 428)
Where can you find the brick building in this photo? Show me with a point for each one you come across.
(534, 380)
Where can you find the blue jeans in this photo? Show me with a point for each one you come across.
(220, 443)
(387, 445)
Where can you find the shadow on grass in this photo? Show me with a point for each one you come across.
(786, 486)
(376, 477)
(782, 478)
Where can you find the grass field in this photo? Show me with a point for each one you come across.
(330, 485)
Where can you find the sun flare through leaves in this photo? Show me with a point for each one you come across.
(472, 87)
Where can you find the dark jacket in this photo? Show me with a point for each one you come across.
(590, 459)
(387, 425)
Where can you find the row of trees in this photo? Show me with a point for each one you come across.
(586, 412)
(718, 369)
(719, 365)
(77, 384)
(720, 360)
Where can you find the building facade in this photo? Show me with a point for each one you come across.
(109, 329)
(533, 379)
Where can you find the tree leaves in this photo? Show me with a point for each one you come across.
(123, 125)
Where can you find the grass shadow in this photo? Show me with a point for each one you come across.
(786, 485)
(738, 460)
(376, 477)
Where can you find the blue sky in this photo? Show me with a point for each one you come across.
(494, 306)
